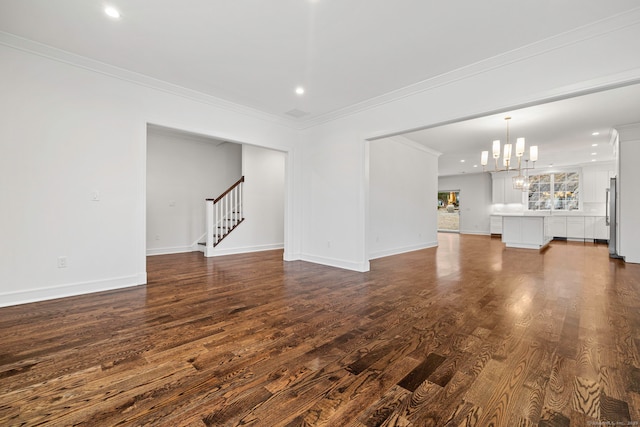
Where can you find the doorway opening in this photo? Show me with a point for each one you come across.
(449, 211)
(184, 169)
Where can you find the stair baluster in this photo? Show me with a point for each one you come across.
(224, 214)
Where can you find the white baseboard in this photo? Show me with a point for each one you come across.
(475, 232)
(211, 252)
(170, 250)
(288, 256)
(402, 250)
(332, 262)
(73, 289)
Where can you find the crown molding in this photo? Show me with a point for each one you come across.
(577, 35)
(415, 145)
(448, 175)
(52, 53)
(596, 29)
(629, 132)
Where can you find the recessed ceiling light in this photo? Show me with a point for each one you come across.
(300, 90)
(462, 161)
(475, 166)
(594, 145)
(593, 154)
(112, 12)
(595, 133)
(593, 160)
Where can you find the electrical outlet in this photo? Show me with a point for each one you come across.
(157, 237)
(62, 262)
(95, 196)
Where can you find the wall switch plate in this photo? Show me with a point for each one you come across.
(95, 196)
(62, 262)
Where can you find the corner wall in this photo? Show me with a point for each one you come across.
(402, 197)
(629, 196)
(69, 132)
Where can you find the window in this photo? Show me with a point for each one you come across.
(555, 191)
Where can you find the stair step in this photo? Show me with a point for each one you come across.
(223, 231)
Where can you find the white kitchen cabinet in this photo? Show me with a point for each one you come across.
(600, 228)
(595, 227)
(588, 185)
(589, 227)
(497, 189)
(602, 183)
(527, 232)
(495, 225)
(575, 227)
(595, 181)
(502, 190)
(558, 226)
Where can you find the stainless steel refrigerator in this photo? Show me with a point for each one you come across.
(611, 217)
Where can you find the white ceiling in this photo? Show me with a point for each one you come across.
(344, 52)
(255, 52)
(562, 130)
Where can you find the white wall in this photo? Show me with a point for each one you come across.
(334, 189)
(475, 200)
(629, 196)
(264, 198)
(68, 131)
(333, 207)
(182, 171)
(402, 197)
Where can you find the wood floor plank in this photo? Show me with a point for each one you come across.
(466, 334)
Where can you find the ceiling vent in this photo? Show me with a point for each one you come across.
(297, 113)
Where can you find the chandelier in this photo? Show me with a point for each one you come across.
(520, 182)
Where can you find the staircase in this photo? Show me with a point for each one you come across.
(223, 215)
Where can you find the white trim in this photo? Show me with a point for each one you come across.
(361, 267)
(476, 233)
(527, 245)
(577, 35)
(171, 250)
(596, 163)
(630, 132)
(415, 145)
(403, 249)
(73, 59)
(362, 230)
(213, 252)
(68, 290)
(600, 28)
(288, 256)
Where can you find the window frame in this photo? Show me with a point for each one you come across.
(557, 187)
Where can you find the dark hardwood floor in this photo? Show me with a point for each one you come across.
(468, 334)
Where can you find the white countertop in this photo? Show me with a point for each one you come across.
(547, 213)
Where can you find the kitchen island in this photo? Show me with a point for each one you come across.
(526, 231)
